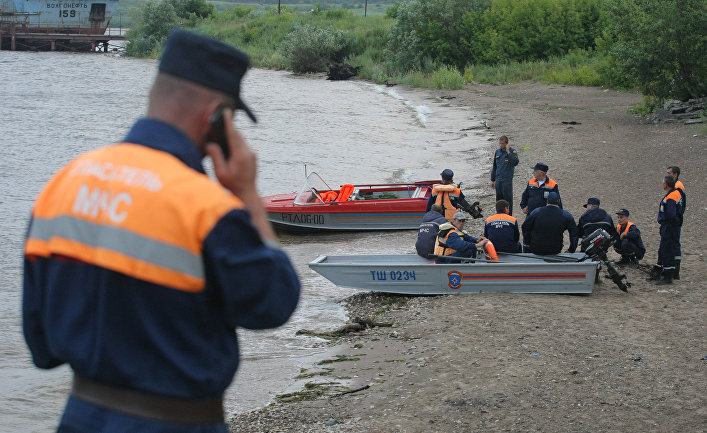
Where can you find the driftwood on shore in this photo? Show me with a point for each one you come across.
(341, 71)
(358, 324)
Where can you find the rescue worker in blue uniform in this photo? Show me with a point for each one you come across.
(505, 160)
(502, 229)
(544, 229)
(629, 243)
(595, 218)
(427, 233)
(452, 241)
(674, 171)
(451, 198)
(670, 215)
(537, 190)
(139, 268)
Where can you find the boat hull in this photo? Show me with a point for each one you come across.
(413, 275)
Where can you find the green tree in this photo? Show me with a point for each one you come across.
(661, 45)
(150, 29)
(427, 32)
(185, 8)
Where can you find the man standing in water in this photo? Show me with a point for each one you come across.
(504, 163)
(139, 268)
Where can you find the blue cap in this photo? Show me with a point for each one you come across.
(540, 166)
(553, 197)
(593, 201)
(206, 62)
(447, 174)
(622, 212)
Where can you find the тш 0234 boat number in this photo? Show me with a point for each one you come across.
(392, 275)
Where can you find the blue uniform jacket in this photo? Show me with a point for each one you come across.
(427, 233)
(672, 208)
(128, 332)
(595, 219)
(535, 196)
(544, 229)
(502, 230)
(503, 165)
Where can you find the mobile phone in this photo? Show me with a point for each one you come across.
(217, 134)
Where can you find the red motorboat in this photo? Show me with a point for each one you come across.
(389, 206)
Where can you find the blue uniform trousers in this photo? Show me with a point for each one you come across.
(504, 191)
(669, 235)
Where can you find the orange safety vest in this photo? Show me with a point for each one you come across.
(131, 209)
(444, 193)
(549, 183)
(620, 230)
(441, 248)
(503, 217)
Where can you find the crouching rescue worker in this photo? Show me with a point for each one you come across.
(448, 195)
(452, 241)
(427, 233)
(139, 268)
(593, 219)
(629, 244)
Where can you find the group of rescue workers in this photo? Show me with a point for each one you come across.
(441, 234)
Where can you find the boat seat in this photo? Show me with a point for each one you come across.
(345, 193)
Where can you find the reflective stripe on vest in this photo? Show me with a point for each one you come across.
(133, 210)
(620, 230)
(444, 193)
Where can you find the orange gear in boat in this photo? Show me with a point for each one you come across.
(490, 251)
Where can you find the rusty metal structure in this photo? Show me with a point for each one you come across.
(56, 25)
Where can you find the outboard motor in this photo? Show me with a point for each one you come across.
(595, 247)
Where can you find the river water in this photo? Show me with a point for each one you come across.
(54, 106)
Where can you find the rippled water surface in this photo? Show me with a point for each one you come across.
(57, 105)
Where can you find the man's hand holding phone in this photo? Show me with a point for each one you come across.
(238, 172)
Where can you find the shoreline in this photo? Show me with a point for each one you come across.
(502, 362)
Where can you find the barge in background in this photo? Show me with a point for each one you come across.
(56, 25)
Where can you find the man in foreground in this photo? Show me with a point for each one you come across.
(505, 160)
(670, 215)
(544, 229)
(452, 241)
(139, 268)
(595, 218)
(629, 244)
(502, 229)
(537, 190)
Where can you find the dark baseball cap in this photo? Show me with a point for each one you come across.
(622, 212)
(553, 197)
(447, 174)
(206, 62)
(593, 201)
(540, 166)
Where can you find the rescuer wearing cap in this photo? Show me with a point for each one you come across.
(595, 218)
(452, 241)
(139, 267)
(629, 244)
(543, 230)
(537, 190)
(448, 195)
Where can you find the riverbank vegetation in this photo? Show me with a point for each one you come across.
(655, 47)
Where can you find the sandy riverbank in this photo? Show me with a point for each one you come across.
(609, 361)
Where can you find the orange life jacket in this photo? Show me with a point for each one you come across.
(441, 248)
(444, 193)
(621, 229)
(131, 209)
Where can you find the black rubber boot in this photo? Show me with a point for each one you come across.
(667, 279)
(655, 273)
(676, 274)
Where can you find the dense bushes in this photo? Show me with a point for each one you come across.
(309, 49)
(150, 28)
